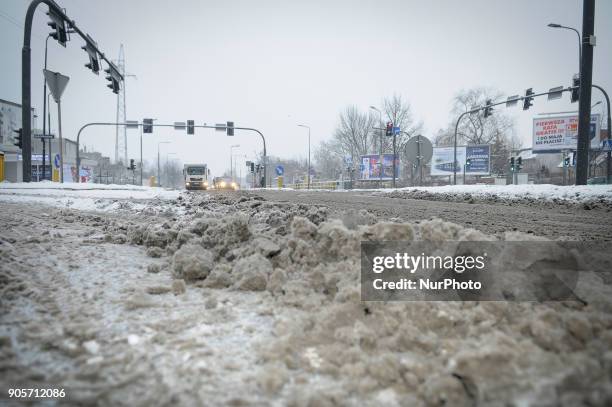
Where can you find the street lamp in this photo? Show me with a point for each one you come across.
(308, 127)
(380, 170)
(231, 168)
(554, 25)
(158, 174)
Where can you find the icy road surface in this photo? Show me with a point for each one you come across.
(253, 299)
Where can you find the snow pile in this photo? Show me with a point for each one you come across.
(328, 347)
(587, 196)
(97, 197)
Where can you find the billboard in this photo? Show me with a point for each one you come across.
(554, 134)
(442, 160)
(369, 168)
(480, 160)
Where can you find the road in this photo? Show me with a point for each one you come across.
(548, 220)
(98, 302)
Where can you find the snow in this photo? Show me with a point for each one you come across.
(547, 192)
(87, 196)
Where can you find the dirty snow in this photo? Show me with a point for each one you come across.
(235, 300)
(83, 196)
(587, 195)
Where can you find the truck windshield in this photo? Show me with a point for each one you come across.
(196, 170)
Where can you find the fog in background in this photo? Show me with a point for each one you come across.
(275, 64)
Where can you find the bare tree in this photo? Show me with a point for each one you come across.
(498, 130)
(397, 110)
(353, 135)
(443, 137)
(327, 161)
(475, 128)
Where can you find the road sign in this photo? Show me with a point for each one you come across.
(419, 146)
(555, 93)
(131, 124)
(606, 145)
(56, 83)
(280, 170)
(396, 130)
(45, 136)
(56, 160)
(348, 160)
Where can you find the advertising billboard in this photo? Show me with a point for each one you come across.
(480, 160)
(554, 134)
(369, 168)
(442, 160)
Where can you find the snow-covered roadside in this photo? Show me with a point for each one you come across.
(95, 197)
(588, 195)
(571, 194)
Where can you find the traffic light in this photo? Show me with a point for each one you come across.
(389, 129)
(230, 128)
(519, 163)
(18, 138)
(468, 163)
(566, 161)
(147, 126)
(528, 101)
(132, 165)
(575, 88)
(94, 63)
(512, 164)
(488, 110)
(190, 127)
(58, 24)
(114, 78)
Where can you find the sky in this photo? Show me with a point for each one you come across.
(273, 65)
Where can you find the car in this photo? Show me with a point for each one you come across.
(225, 183)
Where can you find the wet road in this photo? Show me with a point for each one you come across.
(552, 221)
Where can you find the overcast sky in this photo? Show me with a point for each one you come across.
(274, 64)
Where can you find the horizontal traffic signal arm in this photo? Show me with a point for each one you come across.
(518, 99)
(55, 9)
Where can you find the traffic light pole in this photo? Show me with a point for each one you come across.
(26, 77)
(78, 157)
(520, 98)
(609, 125)
(586, 79)
(61, 145)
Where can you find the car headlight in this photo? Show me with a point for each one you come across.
(222, 184)
(233, 185)
(205, 183)
(187, 184)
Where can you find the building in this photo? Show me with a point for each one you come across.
(11, 167)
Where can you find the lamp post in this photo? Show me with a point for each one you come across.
(308, 127)
(231, 152)
(380, 169)
(45, 104)
(555, 25)
(158, 174)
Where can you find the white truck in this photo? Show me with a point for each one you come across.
(196, 176)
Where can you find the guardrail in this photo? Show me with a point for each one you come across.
(331, 185)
